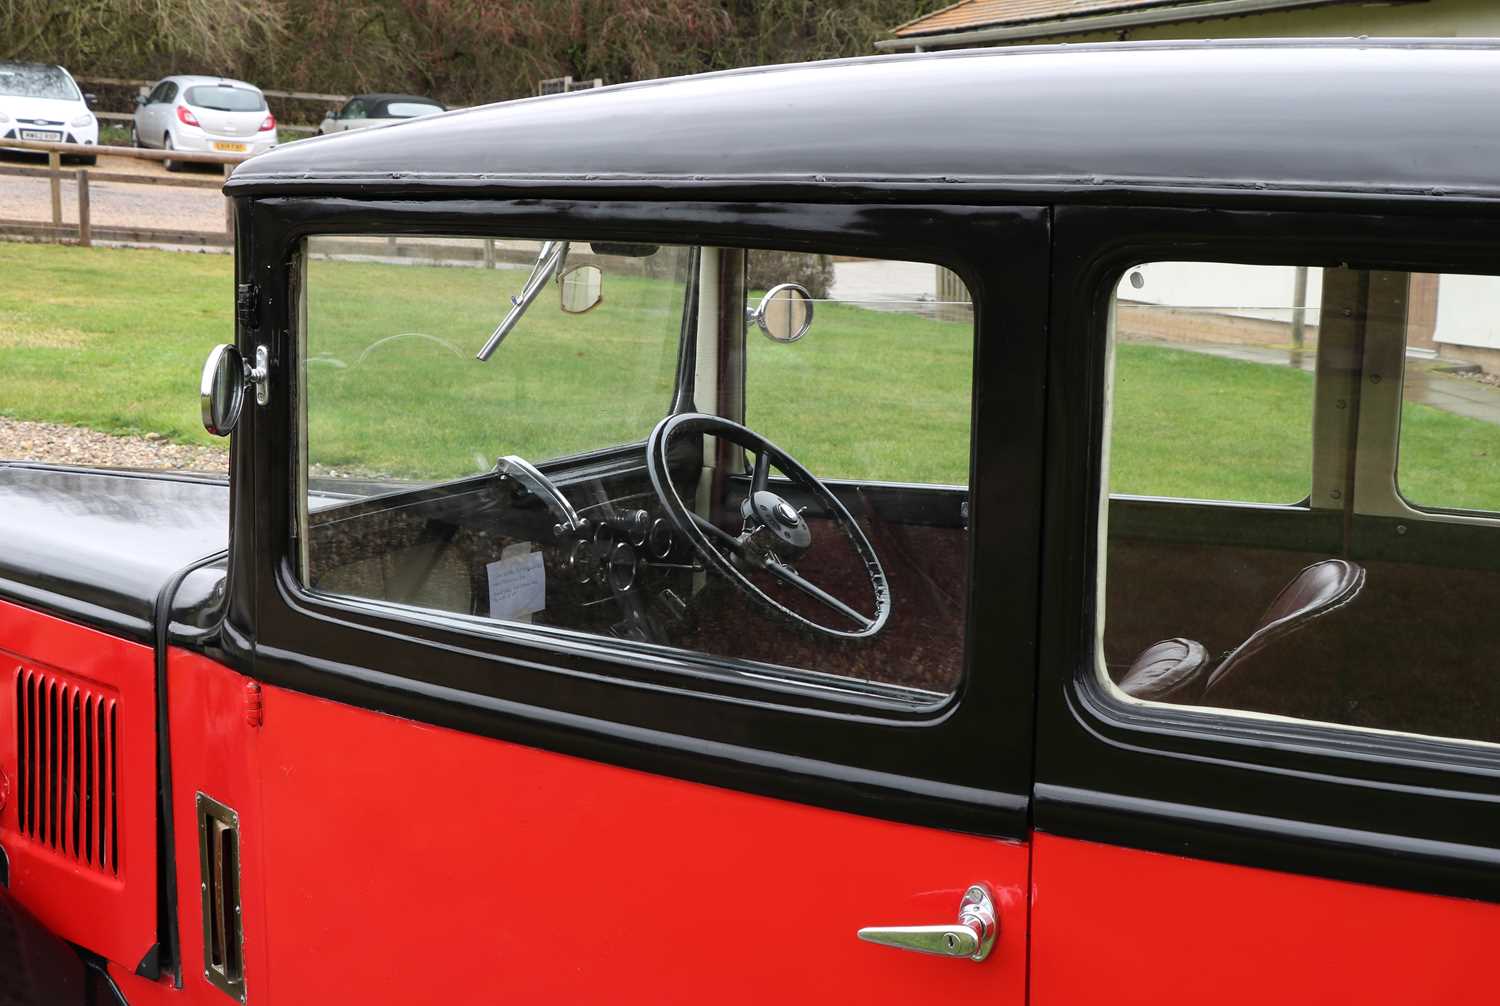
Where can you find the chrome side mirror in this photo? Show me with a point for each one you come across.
(785, 313)
(221, 389)
(582, 289)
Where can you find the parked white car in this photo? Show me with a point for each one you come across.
(365, 110)
(211, 114)
(40, 101)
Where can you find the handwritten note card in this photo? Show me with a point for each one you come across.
(518, 585)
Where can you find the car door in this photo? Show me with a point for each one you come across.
(1266, 740)
(507, 730)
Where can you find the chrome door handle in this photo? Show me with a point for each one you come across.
(973, 936)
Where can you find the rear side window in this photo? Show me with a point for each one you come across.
(225, 99)
(1323, 449)
(1450, 416)
(409, 109)
(1213, 391)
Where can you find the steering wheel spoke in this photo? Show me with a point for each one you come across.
(789, 576)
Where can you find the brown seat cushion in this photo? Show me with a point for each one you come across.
(1172, 670)
(1319, 589)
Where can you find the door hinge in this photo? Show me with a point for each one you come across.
(247, 305)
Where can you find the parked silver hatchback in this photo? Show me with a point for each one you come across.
(213, 114)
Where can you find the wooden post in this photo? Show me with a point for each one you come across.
(85, 230)
(54, 178)
(229, 218)
(489, 253)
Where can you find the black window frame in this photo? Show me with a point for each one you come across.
(1395, 810)
(965, 766)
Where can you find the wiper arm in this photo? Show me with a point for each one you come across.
(548, 261)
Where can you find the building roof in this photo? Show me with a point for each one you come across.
(968, 14)
(1041, 18)
(1044, 124)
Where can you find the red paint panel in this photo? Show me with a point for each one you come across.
(1120, 926)
(78, 756)
(405, 863)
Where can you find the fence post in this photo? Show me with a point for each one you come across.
(54, 178)
(489, 253)
(85, 230)
(229, 218)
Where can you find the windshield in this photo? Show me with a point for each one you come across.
(222, 98)
(410, 109)
(36, 81)
(393, 391)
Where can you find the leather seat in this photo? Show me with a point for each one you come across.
(1173, 670)
(1319, 589)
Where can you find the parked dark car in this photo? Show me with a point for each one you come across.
(1093, 590)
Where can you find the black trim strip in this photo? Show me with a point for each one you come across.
(170, 956)
(1262, 842)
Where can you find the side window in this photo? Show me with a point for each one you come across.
(169, 92)
(1328, 445)
(354, 110)
(608, 470)
(875, 319)
(1450, 415)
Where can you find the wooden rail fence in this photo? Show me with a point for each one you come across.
(84, 232)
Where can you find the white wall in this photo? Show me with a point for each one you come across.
(1247, 291)
(1469, 310)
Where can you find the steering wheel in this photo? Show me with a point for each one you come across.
(774, 533)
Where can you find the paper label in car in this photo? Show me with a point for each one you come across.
(518, 585)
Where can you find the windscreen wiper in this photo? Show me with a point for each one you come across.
(549, 262)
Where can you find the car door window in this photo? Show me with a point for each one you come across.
(545, 487)
(354, 110)
(1350, 420)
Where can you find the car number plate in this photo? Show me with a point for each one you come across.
(229, 148)
(40, 134)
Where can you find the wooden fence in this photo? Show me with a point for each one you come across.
(84, 232)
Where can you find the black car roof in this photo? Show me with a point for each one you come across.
(383, 96)
(1323, 116)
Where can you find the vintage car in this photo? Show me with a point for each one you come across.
(997, 526)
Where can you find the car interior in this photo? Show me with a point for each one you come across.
(1353, 606)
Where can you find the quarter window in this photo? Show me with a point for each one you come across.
(653, 450)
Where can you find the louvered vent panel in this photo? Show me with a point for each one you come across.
(67, 749)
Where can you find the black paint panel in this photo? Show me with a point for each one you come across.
(97, 546)
(1305, 116)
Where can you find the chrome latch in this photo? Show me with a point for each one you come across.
(259, 375)
(972, 937)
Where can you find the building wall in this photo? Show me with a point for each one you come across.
(1432, 18)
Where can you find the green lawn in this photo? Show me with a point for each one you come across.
(114, 340)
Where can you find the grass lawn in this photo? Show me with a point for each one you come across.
(114, 340)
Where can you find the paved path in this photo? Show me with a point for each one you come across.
(114, 204)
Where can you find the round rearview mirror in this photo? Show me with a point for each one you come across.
(221, 391)
(582, 289)
(785, 313)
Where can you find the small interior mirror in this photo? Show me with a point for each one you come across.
(785, 313)
(221, 392)
(582, 289)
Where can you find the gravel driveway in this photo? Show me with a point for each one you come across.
(115, 204)
(73, 445)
